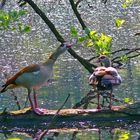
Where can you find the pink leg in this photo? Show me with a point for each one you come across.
(98, 97)
(37, 110)
(35, 100)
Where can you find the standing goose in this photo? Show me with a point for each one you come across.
(105, 78)
(34, 76)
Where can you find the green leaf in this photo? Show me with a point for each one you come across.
(26, 29)
(89, 43)
(126, 100)
(99, 43)
(102, 36)
(13, 28)
(81, 38)
(13, 15)
(105, 52)
(124, 5)
(87, 31)
(92, 33)
(22, 12)
(20, 26)
(124, 58)
(73, 31)
(9, 20)
(108, 39)
(119, 22)
(105, 38)
(6, 17)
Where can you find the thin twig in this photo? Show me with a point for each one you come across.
(52, 120)
(16, 100)
(117, 51)
(77, 14)
(77, 3)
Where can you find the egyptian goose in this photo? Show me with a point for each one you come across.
(105, 78)
(34, 76)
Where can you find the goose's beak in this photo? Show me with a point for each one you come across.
(69, 46)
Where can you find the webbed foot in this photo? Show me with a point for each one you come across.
(40, 111)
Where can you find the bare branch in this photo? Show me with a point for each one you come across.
(73, 5)
(77, 3)
(129, 51)
(46, 20)
(117, 59)
(53, 119)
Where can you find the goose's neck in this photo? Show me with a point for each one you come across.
(51, 60)
(107, 63)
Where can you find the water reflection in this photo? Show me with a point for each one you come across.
(74, 134)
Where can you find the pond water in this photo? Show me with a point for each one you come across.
(70, 77)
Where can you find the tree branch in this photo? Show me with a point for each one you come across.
(73, 5)
(46, 20)
(77, 3)
(83, 61)
(129, 51)
(117, 59)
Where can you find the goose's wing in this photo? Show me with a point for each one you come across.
(100, 71)
(34, 68)
(112, 71)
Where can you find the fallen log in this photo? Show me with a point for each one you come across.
(124, 111)
(70, 118)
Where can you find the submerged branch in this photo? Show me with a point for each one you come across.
(53, 119)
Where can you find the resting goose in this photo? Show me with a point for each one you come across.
(105, 77)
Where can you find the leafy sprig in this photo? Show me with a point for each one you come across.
(11, 20)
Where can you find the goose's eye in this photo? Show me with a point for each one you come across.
(102, 69)
(61, 45)
(102, 57)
